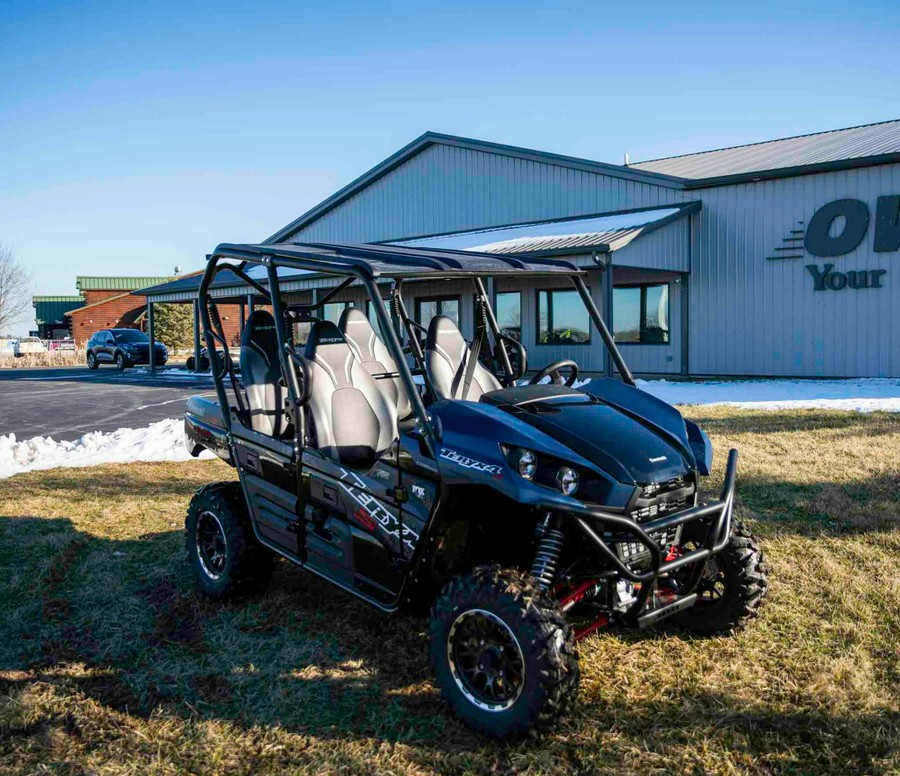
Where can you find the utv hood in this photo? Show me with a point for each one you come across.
(628, 442)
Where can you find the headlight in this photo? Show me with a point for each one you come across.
(567, 479)
(525, 463)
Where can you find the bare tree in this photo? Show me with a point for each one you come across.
(15, 290)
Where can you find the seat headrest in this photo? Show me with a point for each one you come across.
(259, 333)
(323, 334)
(359, 332)
(442, 332)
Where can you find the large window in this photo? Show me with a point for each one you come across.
(508, 309)
(428, 307)
(641, 314)
(562, 319)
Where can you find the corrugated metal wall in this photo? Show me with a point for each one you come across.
(447, 189)
(750, 316)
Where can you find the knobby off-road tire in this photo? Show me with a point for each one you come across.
(732, 590)
(217, 518)
(504, 602)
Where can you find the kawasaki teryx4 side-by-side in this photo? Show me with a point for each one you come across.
(411, 468)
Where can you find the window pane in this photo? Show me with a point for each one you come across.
(508, 309)
(562, 319)
(331, 311)
(543, 317)
(450, 308)
(426, 309)
(627, 314)
(656, 315)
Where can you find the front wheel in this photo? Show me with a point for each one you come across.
(92, 361)
(120, 362)
(502, 653)
(224, 554)
(731, 590)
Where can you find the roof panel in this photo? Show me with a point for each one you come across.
(869, 140)
(97, 283)
(603, 233)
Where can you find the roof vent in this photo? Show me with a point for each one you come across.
(627, 161)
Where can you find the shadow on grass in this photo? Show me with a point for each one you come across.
(118, 622)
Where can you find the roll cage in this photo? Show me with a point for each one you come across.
(366, 265)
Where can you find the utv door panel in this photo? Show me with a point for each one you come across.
(274, 512)
(366, 503)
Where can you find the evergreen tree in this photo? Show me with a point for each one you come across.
(174, 325)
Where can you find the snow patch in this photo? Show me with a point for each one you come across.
(862, 395)
(161, 441)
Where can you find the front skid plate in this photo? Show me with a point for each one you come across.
(661, 612)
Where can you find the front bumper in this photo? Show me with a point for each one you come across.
(717, 515)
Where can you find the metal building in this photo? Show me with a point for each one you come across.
(778, 258)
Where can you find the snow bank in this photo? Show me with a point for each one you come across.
(162, 441)
(863, 395)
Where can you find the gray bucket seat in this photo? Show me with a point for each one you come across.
(353, 420)
(261, 374)
(373, 354)
(446, 356)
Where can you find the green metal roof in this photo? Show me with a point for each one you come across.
(96, 283)
(52, 309)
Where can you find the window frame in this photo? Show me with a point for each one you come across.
(417, 307)
(642, 314)
(537, 319)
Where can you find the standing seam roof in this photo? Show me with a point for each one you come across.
(819, 148)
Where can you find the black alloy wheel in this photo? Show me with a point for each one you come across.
(212, 547)
(485, 659)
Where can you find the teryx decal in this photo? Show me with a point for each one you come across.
(372, 513)
(471, 463)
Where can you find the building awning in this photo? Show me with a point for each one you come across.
(583, 234)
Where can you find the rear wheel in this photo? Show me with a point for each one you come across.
(224, 554)
(731, 590)
(92, 361)
(502, 653)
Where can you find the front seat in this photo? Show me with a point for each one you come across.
(446, 356)
(261, 374)
(353, 420)
(372, 353)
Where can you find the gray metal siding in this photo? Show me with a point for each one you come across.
(447, 188)
(750, 316)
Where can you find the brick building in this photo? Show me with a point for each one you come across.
(108, 303)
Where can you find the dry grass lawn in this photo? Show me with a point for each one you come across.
(109, 663)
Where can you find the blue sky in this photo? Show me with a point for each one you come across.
(134, 137)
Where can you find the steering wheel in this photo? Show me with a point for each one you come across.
(552, 370)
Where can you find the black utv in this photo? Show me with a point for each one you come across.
(414, 469)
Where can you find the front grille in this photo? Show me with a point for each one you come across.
(659, 508)
(662, 498)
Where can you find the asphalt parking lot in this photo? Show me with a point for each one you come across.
(67, 402)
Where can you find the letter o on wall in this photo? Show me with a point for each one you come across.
(819, 242)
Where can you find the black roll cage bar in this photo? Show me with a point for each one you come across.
(353, 265)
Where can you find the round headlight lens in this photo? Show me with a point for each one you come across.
(567, 479)
(527, 464)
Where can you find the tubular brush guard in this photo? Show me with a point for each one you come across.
(718, 513)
